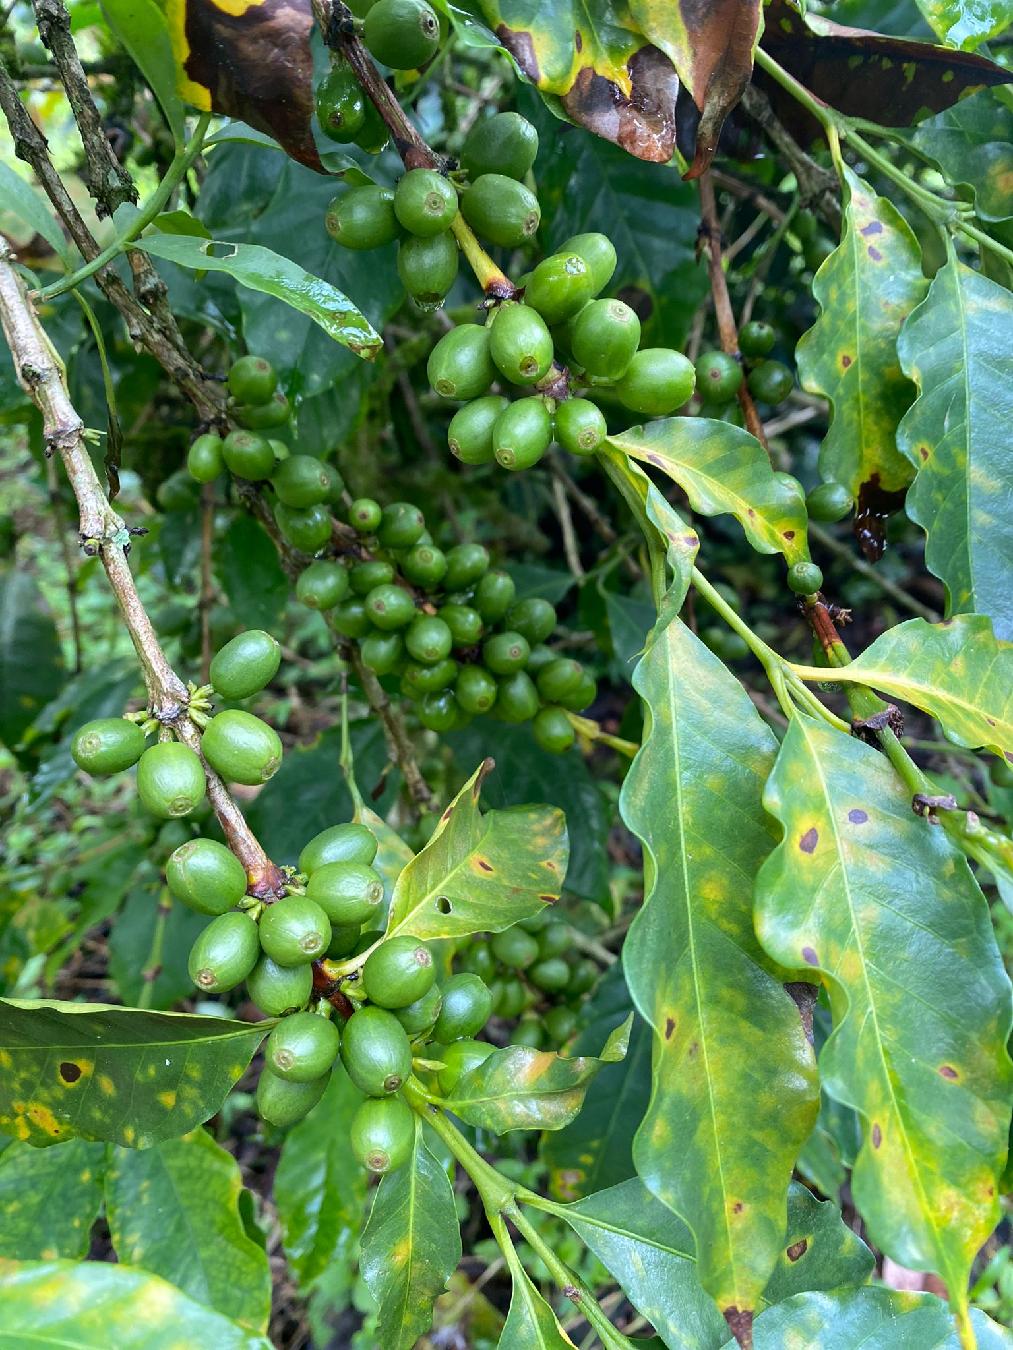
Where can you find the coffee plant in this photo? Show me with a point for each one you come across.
(517, 849)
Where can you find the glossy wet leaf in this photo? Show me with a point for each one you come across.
(410, 1246)
(31, 663)
(955, 346)
(734, 1093)
(967, 23)
(75, 1070)
(174, 1210)
(607, 76)
(819, 1250)
(481, 872)
(91, 1305)
(518, 1088)
(722, 469)
(531, 1324)
(873, 1317)
(972, 143)
(49, 1199)
(865, 289)
(261, 269)
(918, 1046)
(320, 1186)
(957, 671)
(141, 26)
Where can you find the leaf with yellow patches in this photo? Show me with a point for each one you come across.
(857, 880)
(481, 872)
(49, 1199)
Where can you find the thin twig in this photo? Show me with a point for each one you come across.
(399, 744)
(570, 546)
(818, 187)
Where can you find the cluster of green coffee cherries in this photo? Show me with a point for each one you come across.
(240, 747)
(719, 376)
(257, 405)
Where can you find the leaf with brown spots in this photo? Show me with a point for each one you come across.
(92, 1305)
(518, 1088)
(693, 796)
(144, 1077)
(481, 871)
(410, 1246)
(865, 289)
(908, 957)
(956, 347)
(722, 469)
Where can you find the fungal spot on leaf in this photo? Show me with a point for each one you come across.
(656, 460)
(809, 840)
(549, 899)
(845, 360)
(873, 227)
(858, 816)
(877, 1136)
(738, 1207)
(875, 254)
(486, 867)
(809, 957)
(669, 1027)
(443, 904)
(69, 1072)
(694, 1049)
(578, 39)
(447, 814)
(797, 1250)
(947, 1071)
(788, 534)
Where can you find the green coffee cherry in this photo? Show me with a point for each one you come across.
(528, 1032)
(465, 624)
(465, 564)
(598, 252)
(460, 365)
(170, 780)
(294, 930)
(374, 134)
(438, 711)
(365, 515)
(206, 876)
(107, 745)
(505, 143)
(552, 730)
(402, 525)
(505, 653)
(402, 34)
(282, 1103)
(425, 202)
(390, 607)
(605, 336)
(351, 620)
(533, 617)
(514, 948)
(382, 652)
(363, 218)
(344, 937)
(263, 416)
(302, 1047)
(718, 377)
(550, 974)
(804, 578)
(347, 892)
(248, 455)
(479, 960)
(224, 953)
(339, 843)
(467, 1006)
(278, 990)
(475, 690)
(580, 426)
(425, 565)
(501, 210)
(555, 939)
(560, 1023)
(522, 434)
(364, 576)
(428, 639)
(559, 678)
(494, 595)
(241, 747)
(559, 287)
(520, 344)
(756, 338)
(428, 268)
(376, 1052)
(252, 380)
(418, 679)
(511, 999)
(245, 665)
(305, 528)
(418, 1017)
(382, 1133)
(322, 585)
(583, 696)
(459, 1059)
(657, 381)
(470, 432)
(204, 459)
(771, 382)
(829, 502)
(340, 105)
(398, 972)
(301, 480)
(516, 698)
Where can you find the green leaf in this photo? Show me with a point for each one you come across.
(180, 222)
(722, 469)
(174, 1210)
(727, 1033)
(76, 1070)
(531, 1324)
(49, 1199)
(596, 1149)
(518, 1088)
(130, 943)
(957, 671)
(252, 578)
(141, 27)
(481, 872)
(410, 1246)
(972, 143)
(91, 1305)
(874, 1318)
(320, 1188)
(955, 347)
(31, 664)
(820, 1250)
(392, 855)
(27, 203)
(967, 23)
(918, 1043)
(261, 269)
(865, 289)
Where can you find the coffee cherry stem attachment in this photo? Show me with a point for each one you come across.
(591, 730)
(493, 280)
